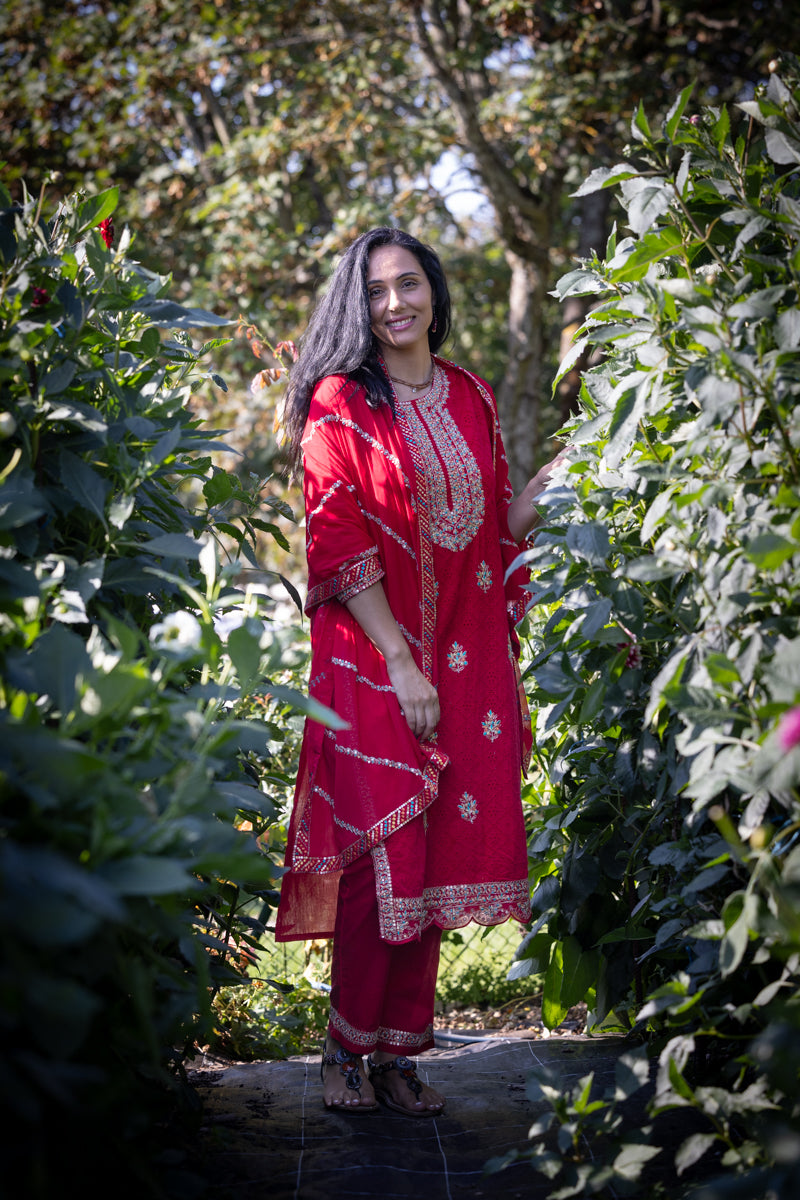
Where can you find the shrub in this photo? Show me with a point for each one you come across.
(135, 765)
(665, 635)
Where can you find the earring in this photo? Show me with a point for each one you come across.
(433, 326)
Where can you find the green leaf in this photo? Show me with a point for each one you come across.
(276, 533)
(173, 545)
(631, 1072)
(678, 1081)
(219, 488)
(589, 541)
(242, 797)
(168, 314)
(20, 502)
(83, 484)
(59, 378)
(632, 1159)
(148, 875)
(782, 147)
(677, 110)
(692, 1150)
(736, 939)
(96, 208)
(579, 971)
(640, 128)
(245, 651)
(164, 446)
(654, 246)
(553, 1009)
(770, 550)
(59, 663)
(602, 177)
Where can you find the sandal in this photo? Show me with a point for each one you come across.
(348, 1066)
(408, 1071)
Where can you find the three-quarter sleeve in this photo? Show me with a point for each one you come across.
(343, 557)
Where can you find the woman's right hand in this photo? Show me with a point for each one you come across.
(419, 701)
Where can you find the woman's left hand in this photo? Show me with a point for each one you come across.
(522, 514)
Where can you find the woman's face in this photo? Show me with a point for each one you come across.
(400, 298)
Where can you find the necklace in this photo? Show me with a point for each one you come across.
(415, 387)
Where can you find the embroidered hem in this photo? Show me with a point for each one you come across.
(449, 907)
(364, 1041)
(302, 861)
(360, 573)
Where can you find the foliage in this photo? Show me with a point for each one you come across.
(250, 143)
(135, 764)
(666, 647)
(276, 1021)
(582, 1120)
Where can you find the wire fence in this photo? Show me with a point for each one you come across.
(463, 950)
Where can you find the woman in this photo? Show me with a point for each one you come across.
(408, 821)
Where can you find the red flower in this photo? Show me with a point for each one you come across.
(107, 232)
(633, 658)
(41, 296)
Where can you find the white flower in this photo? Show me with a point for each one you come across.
(225, 623)
(179, 634)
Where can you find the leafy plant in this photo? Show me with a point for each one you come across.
(665, 647)
(268, 1019)
(587, 1154)
(134, 766)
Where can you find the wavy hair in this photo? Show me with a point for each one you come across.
(339, 340)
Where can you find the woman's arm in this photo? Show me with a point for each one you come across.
(418, 699)
(522, 513)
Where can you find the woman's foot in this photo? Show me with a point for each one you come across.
(344, 1080)
(398, 1086)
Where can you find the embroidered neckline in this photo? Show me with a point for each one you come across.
(455, 488)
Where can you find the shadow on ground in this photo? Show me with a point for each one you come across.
(266, 1135)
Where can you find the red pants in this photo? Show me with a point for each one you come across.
(381, 994)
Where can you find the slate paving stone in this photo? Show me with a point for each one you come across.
(267, 1135)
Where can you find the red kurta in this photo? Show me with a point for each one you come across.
(421, 504)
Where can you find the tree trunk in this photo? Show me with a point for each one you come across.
(593, 236)
(520, 396)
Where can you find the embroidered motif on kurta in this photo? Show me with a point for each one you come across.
(468, 807)
(456, 657)
(491, 726)
(484, 575)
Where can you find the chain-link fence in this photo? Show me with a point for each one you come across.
(477, 951)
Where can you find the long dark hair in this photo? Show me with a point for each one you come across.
(339, 340)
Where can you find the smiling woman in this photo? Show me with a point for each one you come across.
(409, 821)
(401, 309)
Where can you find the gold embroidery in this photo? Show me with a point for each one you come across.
(454, 478)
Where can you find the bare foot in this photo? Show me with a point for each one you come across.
(394, 1086)
(335, 1092)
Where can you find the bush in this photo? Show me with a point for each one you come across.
(135, 764)
(666, 637)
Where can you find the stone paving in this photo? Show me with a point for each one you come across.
(267, 1135)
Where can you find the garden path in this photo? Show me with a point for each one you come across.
(268, 1137)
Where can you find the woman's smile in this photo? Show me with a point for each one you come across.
(400, 299)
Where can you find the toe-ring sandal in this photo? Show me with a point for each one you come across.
(408, 1071)
(348, 1066)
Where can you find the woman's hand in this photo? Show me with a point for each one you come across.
(418, 699)
(522, 513)
(541, 479)
(419, 702)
